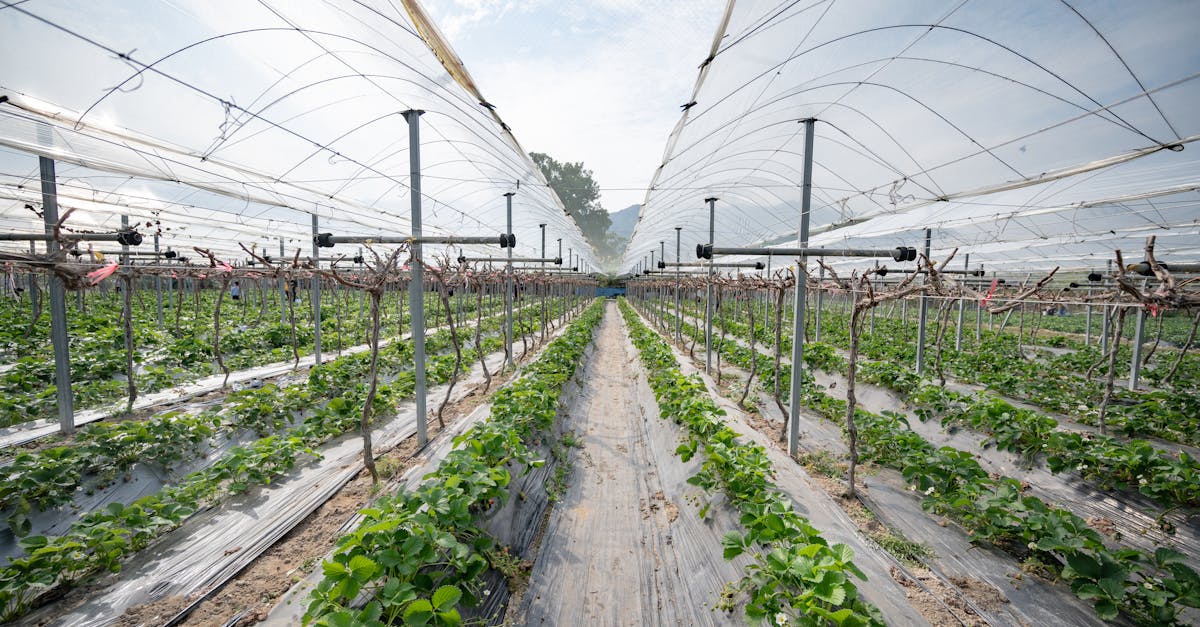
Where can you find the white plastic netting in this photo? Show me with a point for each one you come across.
(225, 123)
(1029, 134)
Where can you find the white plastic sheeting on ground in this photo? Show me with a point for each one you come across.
(1029, 134)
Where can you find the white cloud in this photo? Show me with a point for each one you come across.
(599, 82)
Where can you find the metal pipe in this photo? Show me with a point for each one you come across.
(708, 304)
(757, 265)
(58, 303)
(923, 316)
(820, 294)
(961, 306)
(416, 284)
(508, 283)
(541, 260)
(66, 237)
(415, 238)
(1104, 315)
(678, 314)
(283, 295)
(1139, 329)
(315, 288)
(900, 253)
(798, 306)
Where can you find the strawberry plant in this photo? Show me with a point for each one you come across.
(418, 553)
(796, 573)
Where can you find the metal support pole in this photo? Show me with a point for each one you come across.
(1135, 363)
(315, 287)
(283, 295)
(923, 315)
(662, 290)
(1104, 316)
(561, 293)
(416, 284)
(708, 296)
(873, 309)
(1087, 337)
(158, 284)
(767, 295)
(820, 300)
(961, 306)
(678, 313)
(32, 287)
(508, 284)
(58, 304)
(798, 306)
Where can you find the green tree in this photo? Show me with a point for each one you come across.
(580, 195)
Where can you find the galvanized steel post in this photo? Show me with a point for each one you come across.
(708, 296)
(798, 307)
(416, 283)
(58, 304)
(923, 315)
(508, 283)
(961, 305)
(315, 287)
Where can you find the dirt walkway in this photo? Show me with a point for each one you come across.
(624, 546)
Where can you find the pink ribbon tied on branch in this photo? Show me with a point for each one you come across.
(991, 292)
(99, 274)
(225, 267)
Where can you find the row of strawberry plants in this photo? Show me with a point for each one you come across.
(797, 575)
(1171, 479)
(98, 540)
(50, 477)
(163, 358)
(1056, 384)
(1151, 589)
(418, 554)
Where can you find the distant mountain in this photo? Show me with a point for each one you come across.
(623, 222)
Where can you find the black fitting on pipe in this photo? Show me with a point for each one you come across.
(323, 240)
(508, 241)
(662, 264)
(758, 265)
(129, 238)
(704, 251)
(1095, 277)
(904, 253)
(558, 261)
(170, 254)
(359, 260)
(462, 259)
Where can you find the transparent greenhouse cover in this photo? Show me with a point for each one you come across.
(227, 122)
(1029, 133)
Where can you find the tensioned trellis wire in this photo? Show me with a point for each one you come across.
(224, 123)
(1025, 149)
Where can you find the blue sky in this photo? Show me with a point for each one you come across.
(598, 81)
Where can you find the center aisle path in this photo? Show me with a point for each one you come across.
(624, 546)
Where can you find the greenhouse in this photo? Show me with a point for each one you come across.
(297, 332)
